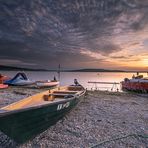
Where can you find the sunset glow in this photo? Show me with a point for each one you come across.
(77, 34)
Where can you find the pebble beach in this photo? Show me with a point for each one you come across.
(103, 119)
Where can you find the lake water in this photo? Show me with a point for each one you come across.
(66, 78)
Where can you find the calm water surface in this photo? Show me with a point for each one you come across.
(66, 78)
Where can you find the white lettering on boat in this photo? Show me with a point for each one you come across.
(62, 106)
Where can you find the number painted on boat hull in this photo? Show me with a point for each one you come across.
(62, 106)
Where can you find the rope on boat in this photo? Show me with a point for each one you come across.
(119, 138)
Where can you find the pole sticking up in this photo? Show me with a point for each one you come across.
(58, 71)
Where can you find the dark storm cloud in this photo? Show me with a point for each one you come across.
(48, 32)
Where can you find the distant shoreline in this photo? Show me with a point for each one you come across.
(76, 71)
(11, 68)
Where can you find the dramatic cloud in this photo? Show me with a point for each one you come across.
(75, 33)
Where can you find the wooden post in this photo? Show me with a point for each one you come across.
(59, 69)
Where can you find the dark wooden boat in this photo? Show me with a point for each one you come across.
(26, 118)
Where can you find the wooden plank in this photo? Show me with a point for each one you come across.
(60, 94)
(95, 82)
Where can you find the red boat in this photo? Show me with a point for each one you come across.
(2, 79)
(138, 84)
(2, 86)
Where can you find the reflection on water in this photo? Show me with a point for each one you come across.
(67, 78)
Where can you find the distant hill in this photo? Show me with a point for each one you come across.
(12, 68)
(95, 70)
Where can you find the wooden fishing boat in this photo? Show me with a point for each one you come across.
(26, 118)
(48, 83)
(138, 84)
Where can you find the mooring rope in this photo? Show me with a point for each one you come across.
(119, 138)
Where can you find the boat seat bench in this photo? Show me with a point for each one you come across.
(60, 94)
(51, 97)
(66, 92)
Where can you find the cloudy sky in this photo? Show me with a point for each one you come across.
(110, 34)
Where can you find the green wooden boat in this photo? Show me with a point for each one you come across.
(26, 118)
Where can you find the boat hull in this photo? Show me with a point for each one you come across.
(47, 84)
(34, 121)
(19, 83)
(135, 86)
(3, 86)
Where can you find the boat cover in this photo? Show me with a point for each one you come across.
(19, 79)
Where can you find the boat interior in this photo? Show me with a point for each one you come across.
(47, 97)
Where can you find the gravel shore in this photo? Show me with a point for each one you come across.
(103, 119)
